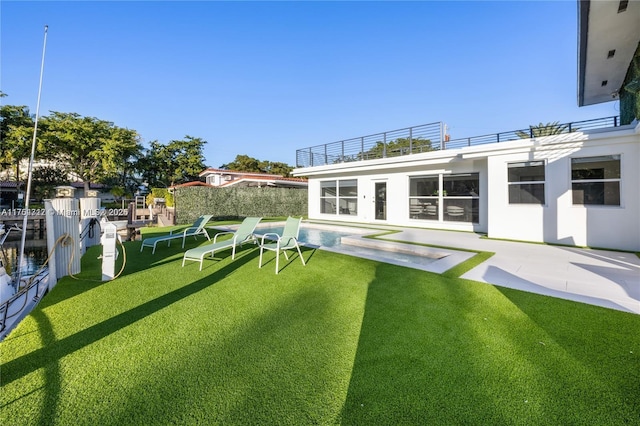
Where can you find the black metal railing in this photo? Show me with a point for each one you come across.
(534, 131)
(426, 137)
(22, 297)
(411, 140)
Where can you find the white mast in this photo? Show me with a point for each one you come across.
(31, 159)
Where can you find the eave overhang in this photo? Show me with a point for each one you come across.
(608, 36)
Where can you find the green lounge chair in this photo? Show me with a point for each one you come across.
(242, 235)
(287, 241)
(194, 230)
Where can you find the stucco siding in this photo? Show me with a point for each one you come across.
(558, 220)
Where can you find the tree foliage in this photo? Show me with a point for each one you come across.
(276, 168)
(177, 162)
(45, 179)
(400, 146)
(92, 149)
(244, 163)
(16, 134)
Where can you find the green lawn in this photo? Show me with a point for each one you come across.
(340, 341)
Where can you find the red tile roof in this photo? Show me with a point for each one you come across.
(211, 170)
(240, 177)
(194, 183)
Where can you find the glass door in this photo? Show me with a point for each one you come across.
(381, 200)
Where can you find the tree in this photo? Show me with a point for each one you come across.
(188, 159)
(547, 129)
(276, 168)
(397, 147)
(90, 148)
(177, 162)
(244, 163)
(16, 134)
(45, 179)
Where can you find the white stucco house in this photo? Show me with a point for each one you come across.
(227, 178)
(579, 187)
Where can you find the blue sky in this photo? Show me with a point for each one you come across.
(266, 78)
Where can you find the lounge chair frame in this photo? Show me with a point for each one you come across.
(198, 228)
(287, 241)
(242, 235)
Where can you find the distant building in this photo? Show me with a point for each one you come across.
(8, 194)
(226, 178)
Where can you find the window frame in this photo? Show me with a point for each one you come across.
(442, 200)
(512, 184)
(420, 206)
(336, 199)
(327, 198)
(347, 198)
(604, 180)
(474, 198)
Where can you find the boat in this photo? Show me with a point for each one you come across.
(18, 296)
(20, 291)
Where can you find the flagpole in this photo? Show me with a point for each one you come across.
(31, 160)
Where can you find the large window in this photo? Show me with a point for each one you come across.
(339, 197)
(461, 197)
(328, 197)
(348, 196)
(526, 182)
(596, 180)
(423, 197)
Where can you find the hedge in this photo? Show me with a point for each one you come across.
(231, 203)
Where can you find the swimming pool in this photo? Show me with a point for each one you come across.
(350, 242)
(310, 236)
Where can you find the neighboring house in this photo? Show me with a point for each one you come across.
(8, 194)
(580, 187)
(10, 197)
(189, 184)
(226, 178)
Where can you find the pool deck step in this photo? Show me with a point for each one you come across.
(393, 246)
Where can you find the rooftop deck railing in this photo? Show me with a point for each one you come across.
(426, 137)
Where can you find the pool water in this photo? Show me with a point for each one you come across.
(313, 236)
(331, 241)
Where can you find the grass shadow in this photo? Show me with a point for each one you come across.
(19, 367)
(253, 349)
(603, 346)
(439, 350)
(410, 349)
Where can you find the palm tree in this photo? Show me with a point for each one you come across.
(547, 129)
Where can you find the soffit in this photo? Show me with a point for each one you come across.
(603, 29)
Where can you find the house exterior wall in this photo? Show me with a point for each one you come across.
(557, 221)
(397, 181)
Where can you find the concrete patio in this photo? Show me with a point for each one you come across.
(598, 277)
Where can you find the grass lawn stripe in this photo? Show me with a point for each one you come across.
(341, 341)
